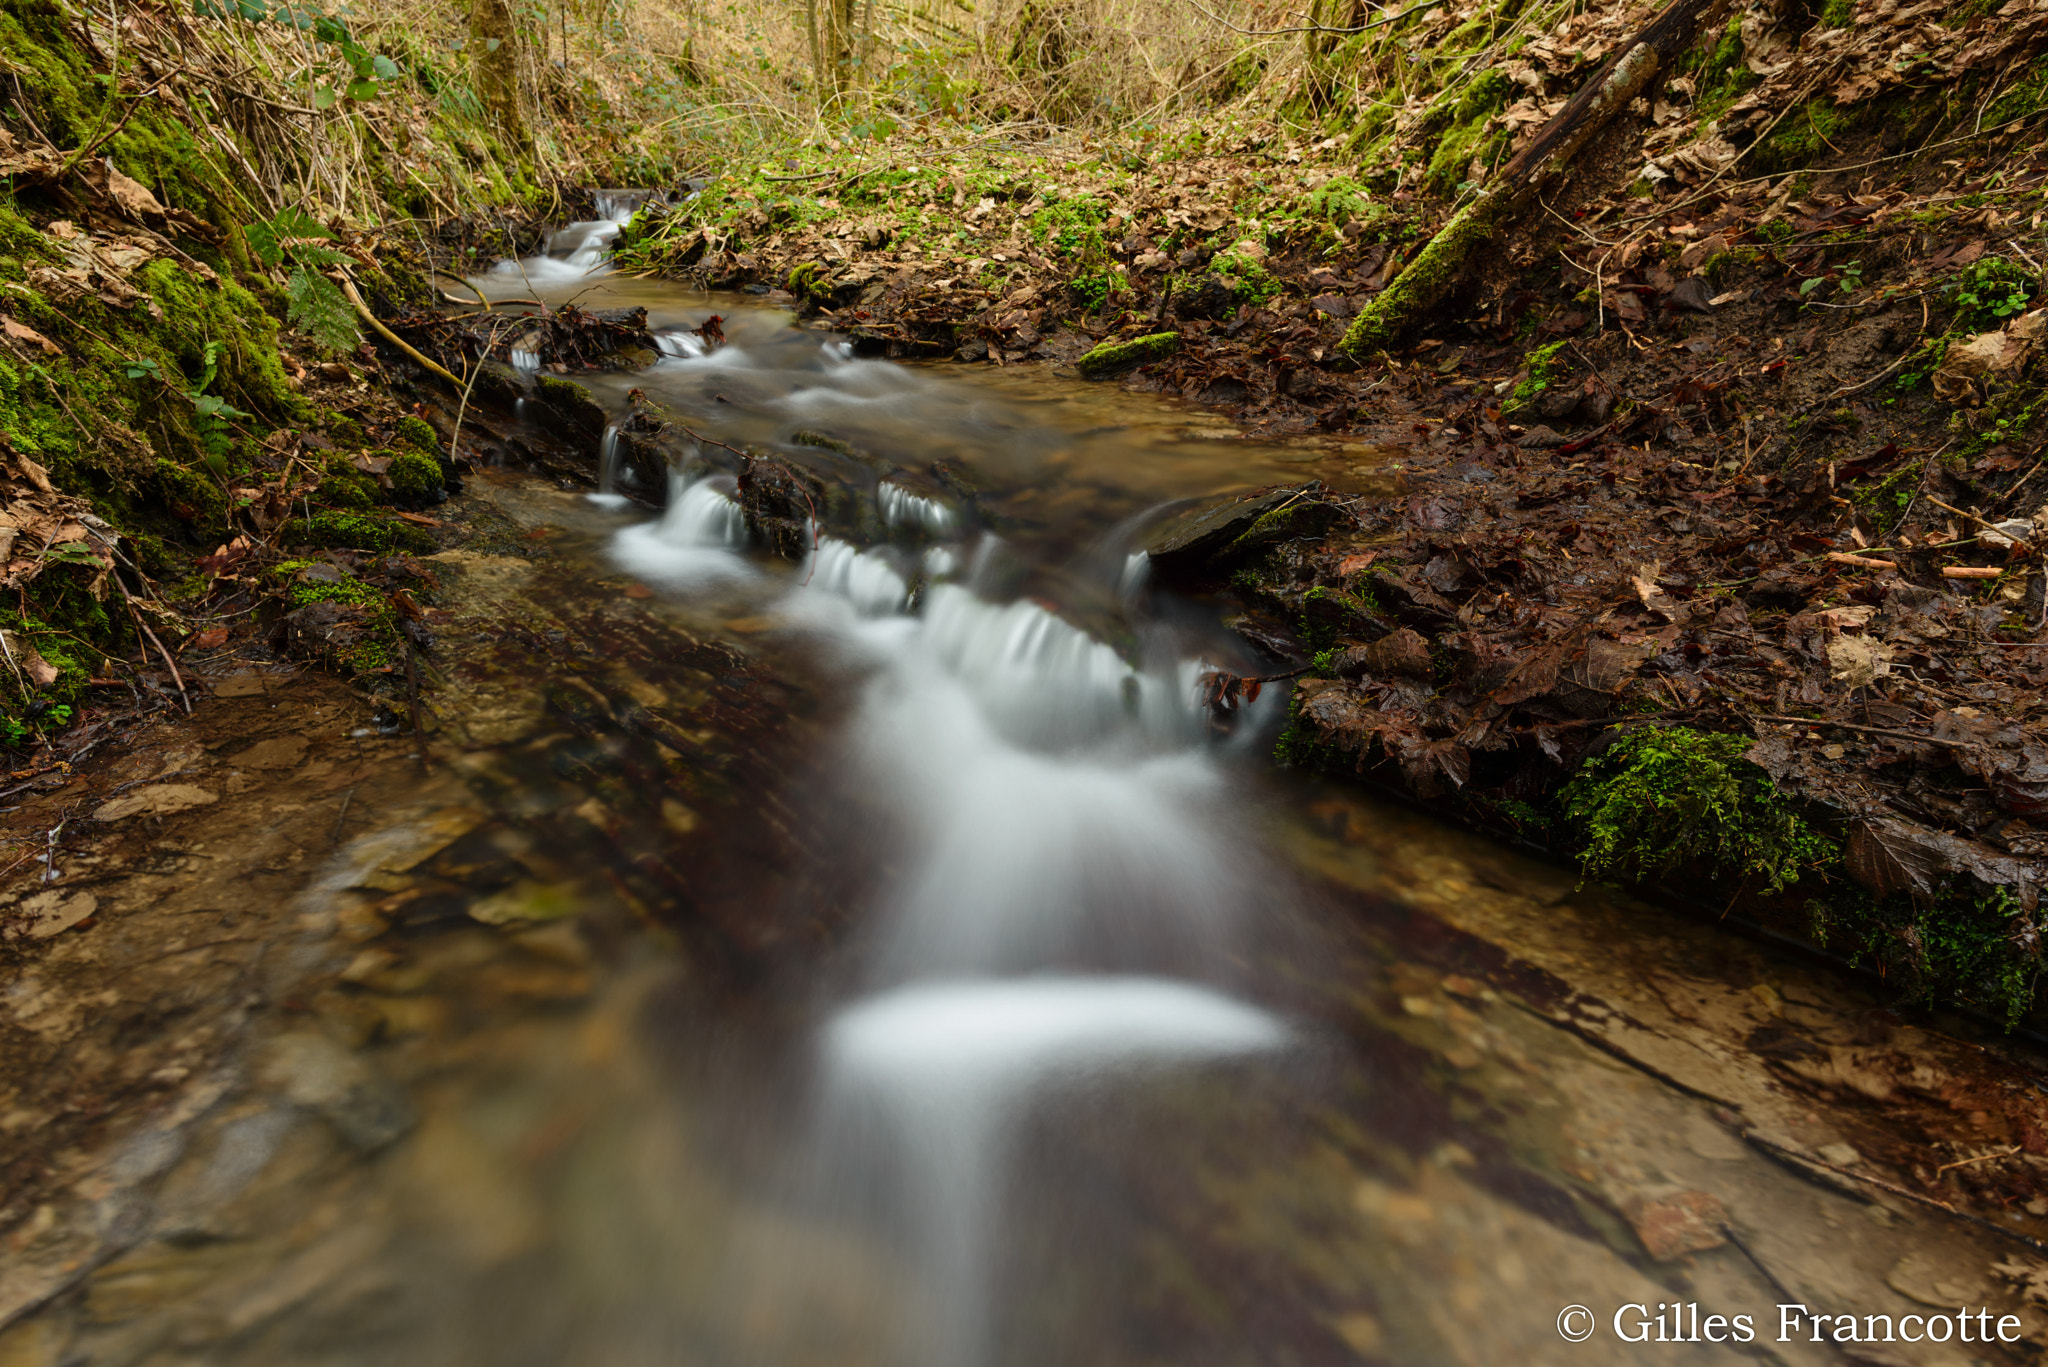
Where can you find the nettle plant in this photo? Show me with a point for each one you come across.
(317, 306)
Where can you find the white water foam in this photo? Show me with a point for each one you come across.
(903, 510)
(695, 543)
(937, 1075)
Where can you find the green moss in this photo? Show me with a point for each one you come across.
(1114, 356)
(344, 486)
(360, 531)
(1247, 279)
(1467, 137)
(1964, 944)
(419, 434)
(415, 478)
(343, 430)
(1542, 365)
(1660, 798)
(1807, 134)
(1421, 284)
(1837, 14)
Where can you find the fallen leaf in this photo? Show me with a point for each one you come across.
(21, 332)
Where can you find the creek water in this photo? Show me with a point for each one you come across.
(1037, 1021)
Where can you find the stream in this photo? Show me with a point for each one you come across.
(884, 960)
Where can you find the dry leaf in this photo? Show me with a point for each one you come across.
(21, 332)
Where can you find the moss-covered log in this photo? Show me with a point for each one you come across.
(1114, 356)
(1429, 277)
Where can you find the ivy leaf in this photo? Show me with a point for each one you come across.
(362, 90)
(385, 68)
(325, 96)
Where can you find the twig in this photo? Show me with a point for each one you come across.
(481, 298)
(1980, 1158)
(348, 287)
(342, 816)
(808, 175)
(1873, 730)
(1807, 1160)
(143, 626)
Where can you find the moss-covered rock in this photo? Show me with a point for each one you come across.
(1111, 357)
(1660, 798)
(415, 478)
(361, 531)
(342, 485)
(418, 434)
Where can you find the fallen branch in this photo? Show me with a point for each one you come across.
(348, 287)
(1429, 277)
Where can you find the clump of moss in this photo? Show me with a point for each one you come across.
(1246, 278)
(415, 478)
(1964, 943)
(419, 434)
(1660, 798)
(1542, 365)
(361, 532)
(344, 486)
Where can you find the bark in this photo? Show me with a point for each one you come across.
(494, 52)
(1425, 281)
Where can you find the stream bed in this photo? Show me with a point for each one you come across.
(882, 959)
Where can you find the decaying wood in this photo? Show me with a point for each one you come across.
(1426, 279)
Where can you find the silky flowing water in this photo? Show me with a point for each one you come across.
(1079, 1035)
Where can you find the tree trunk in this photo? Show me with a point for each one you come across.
(1425, 281)
(1320, 45)
(494, 54)
(841, 46)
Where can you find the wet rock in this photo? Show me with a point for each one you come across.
(161, 800)
(1689, 1222)
(1183, 546)
(324, 628)
(319, 1075)
(1111, 357)
(780, 502)
(279, 752)
(55, 912)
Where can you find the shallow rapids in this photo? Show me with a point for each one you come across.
(1063, 887)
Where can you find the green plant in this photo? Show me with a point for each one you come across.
(1991, 291)
(1659, 798)
(359, 72)
(317, 306)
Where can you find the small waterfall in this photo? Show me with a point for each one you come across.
(941, 1073)
(1060, 811)
(681, 344)
(903, 510)
(696, 542)
(1060, 901)
(866, 580)
(608, 495)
